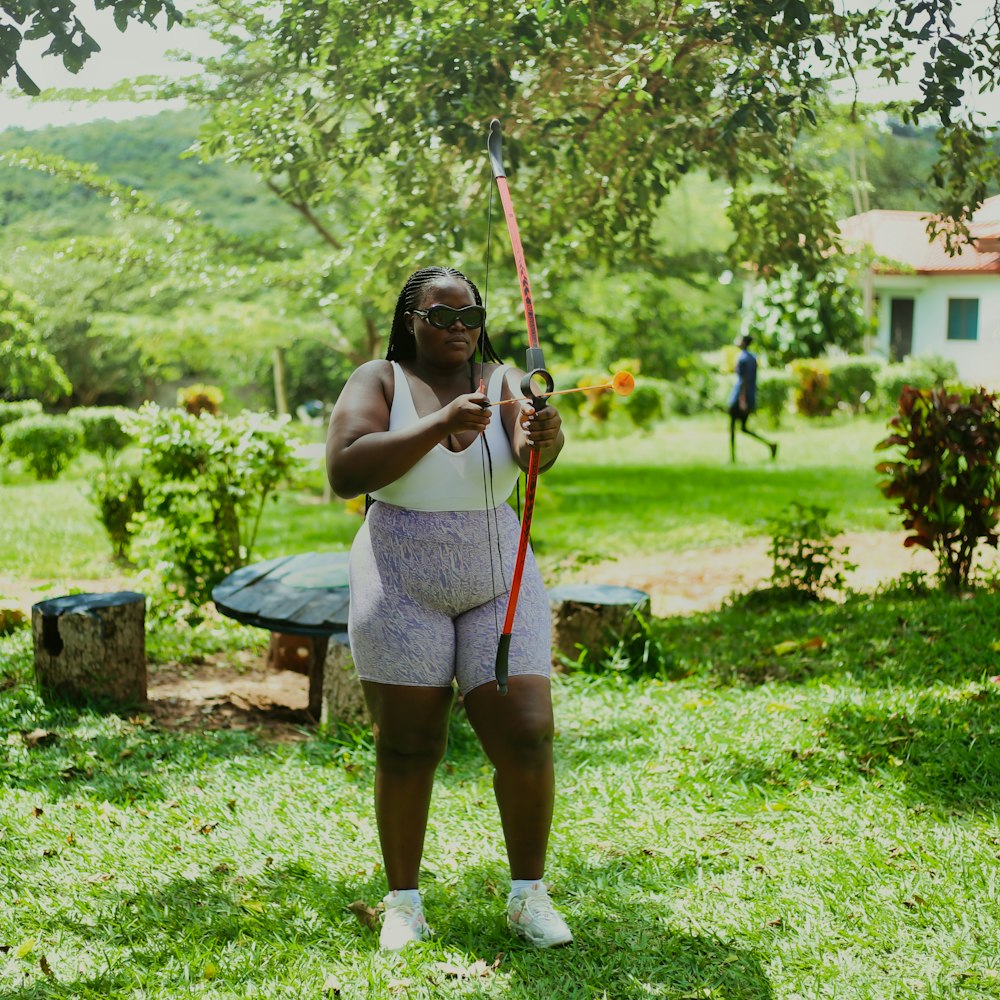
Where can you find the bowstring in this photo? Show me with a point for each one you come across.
(488, 487)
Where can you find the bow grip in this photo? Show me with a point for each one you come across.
(528, 385)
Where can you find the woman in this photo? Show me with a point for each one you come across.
(429, 580)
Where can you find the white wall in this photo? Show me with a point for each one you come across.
(978, 361)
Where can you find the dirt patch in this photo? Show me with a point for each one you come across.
(700, 579)
(217, 694)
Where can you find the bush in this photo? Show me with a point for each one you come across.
(199, 398)
(854, 382)
(700, 388)
(105, 428)
(44, 444)
(206, 481)
(803, 555)
(12, 617)
(813, 397)
(920, 372)
(119, 498)
(945, 482)
(645, 405)
(9, 412)
(774, 389)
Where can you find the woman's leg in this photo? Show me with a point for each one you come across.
(410, 725)
(516, 732)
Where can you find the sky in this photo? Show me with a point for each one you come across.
(138, 51)
(143, 50)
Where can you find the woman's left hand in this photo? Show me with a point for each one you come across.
(541, 427)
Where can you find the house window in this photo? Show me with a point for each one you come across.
(963, 319)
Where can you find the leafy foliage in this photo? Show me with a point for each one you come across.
(946, 480)
(922, 372)
(813, 394)
(805, 560)
(44, 444)
(339, 93)
(105, 428)
(774, 390)
(9, 412)
(27, 369)
(68, 37)
(796, 315)
(206, 481)
(645, 405)
(119, 496)
(854, 381)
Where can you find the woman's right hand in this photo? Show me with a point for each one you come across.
(470, 412)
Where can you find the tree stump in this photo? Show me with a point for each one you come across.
(294, 652)
(343, 699)
(91, 646)
(592, 616)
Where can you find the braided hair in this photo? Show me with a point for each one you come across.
(402, 344)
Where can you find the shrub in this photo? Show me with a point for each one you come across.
(813, 397)
(206, 481)
(119, 498)
(774, 389)
(853, 382)
(805, 560)
(9, 412)
(44, 444)
(920, 372)
(12, 617)
(645, 405)
(199, 398)
(945, 481)
(105, 428)
(700, 388)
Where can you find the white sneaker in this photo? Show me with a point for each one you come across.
(531, 914)
(403, 923)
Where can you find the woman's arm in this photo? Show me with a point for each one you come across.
(362, 454)
(527, 429)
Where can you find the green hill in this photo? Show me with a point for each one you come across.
(146, 153)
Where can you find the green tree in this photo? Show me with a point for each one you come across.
(27, 369)
(30, 20)
(606, 108)
(798, 316)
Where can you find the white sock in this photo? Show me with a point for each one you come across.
(518, 884)
(410, 895)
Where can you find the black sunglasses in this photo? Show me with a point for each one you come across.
(472, 317)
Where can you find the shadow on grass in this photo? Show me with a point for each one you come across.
(271, 928)
(945, 750)
(879, 640)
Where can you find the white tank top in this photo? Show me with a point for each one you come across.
(452, 480)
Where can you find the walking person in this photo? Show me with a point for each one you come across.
(743, 398)
(417, 434)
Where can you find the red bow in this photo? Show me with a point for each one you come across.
(536, 371)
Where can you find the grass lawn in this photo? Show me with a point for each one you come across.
(671, 488)
(743, 825)
(821, 824)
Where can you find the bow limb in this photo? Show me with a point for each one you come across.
(536, 371)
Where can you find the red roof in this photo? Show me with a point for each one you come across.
(902, 237)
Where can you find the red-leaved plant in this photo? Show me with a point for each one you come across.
(946, 482)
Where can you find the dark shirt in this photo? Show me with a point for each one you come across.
(746, 382)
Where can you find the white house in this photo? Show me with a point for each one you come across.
(928, 302)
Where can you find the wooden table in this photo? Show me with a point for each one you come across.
(305, 595)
